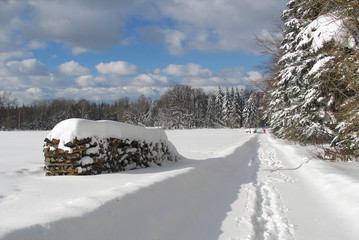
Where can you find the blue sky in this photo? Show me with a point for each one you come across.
(105, 50)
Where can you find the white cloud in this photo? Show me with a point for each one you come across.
(150, 79)
(29, 67)
(85, 80)
(78, 50)
(181, 25)
(10, 24)
(143, 79)
(35, 91)
(90, 80)
(29, 80)
(32, 94)
(23, 82)
(220, 25)
(197, 76)
(117, 68)
(81, 25)
(189, 69)
(5, 56)
(205, 82)
(253, 76)
(72, 68)
(254, 79)
(174, 41)
(36, 45)
(105, 93)
(26, 96)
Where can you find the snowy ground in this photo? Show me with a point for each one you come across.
(229, 185)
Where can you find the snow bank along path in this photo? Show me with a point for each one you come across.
(230, 185)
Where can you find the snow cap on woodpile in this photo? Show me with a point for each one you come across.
(75, 128)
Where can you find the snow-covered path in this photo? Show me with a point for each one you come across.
(309, 192)
(230, 185)
(264, 214)
(290, 199)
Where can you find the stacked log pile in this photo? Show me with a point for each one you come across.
(91, 155)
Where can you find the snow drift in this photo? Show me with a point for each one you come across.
(78, 146)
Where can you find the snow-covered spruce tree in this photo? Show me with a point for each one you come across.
(226, 108)
(250, 118)
(298, 109)
(219, 106)
(342, 79)
(241, 102)
(209, 120)
(341, 76)
(310, 102)
(348, 114)
(236, 111)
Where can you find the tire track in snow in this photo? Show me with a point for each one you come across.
(264, 214)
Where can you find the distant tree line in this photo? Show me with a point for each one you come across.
(179, 107)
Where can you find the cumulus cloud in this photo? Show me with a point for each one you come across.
(21, 83)
(36, 45)
(5, 56)
(28, 95)
(110, 86)
(254, 79)
(85, 80)
(80, 25)
(106, 94)
(117, 68)
(174, 41)
(10, 24)
(30, 67)
(181, 25)
(90, 81)
(78, 50)
(150, 79)
(197, 76)
(72, 68)
(189, 69)
(26, 75)
(220, 25)
(253, 76)
(144, 79)
(35, 91)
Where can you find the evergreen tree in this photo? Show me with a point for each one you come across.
(219, 106)
(234, 116)
(249, 111)
(241, 102)
(298, 107)
(226, 108)
(209, 120)
(311, 95)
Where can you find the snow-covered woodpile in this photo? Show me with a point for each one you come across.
(83, 147)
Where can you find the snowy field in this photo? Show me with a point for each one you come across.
(228, 185)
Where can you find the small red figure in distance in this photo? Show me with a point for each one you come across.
(264, 130)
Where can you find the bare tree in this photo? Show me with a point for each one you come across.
(269, 45)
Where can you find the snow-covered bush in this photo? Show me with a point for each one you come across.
(82, 147)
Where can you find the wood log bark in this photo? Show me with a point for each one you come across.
(95, 156)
